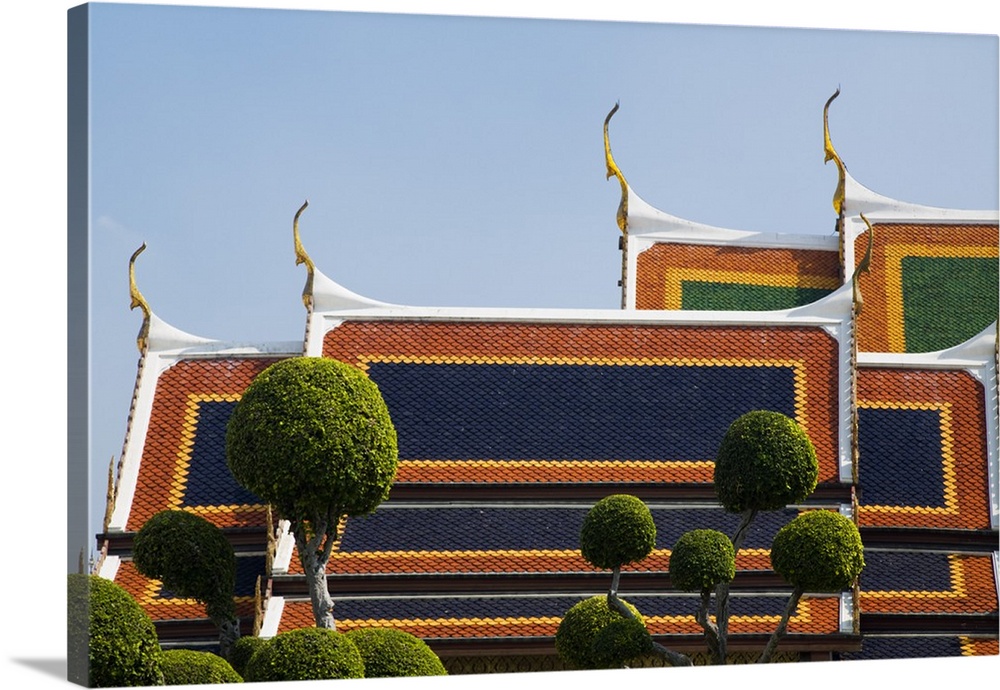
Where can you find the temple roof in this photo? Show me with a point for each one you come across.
(512, 422)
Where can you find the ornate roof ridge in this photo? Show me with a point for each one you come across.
(648, 222)
(860, 199)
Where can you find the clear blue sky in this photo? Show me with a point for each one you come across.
(459, 161)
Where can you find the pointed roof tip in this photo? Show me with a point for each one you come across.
(329, 295)
(155, 334)
(860, 199)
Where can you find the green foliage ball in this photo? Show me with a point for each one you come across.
(306, 654)
(391, 653)
(311, 433)
(117, 637)
(702, 559)
(191, 556)
(619, 641)
(579, 629)
(189, 667)
(242, 650)
(765, 462)
(818, 551)
(618, 530)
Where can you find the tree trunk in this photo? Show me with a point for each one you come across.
(711, 630)
(722, 591)
(772, 644)
(229, 632)
(314, 553)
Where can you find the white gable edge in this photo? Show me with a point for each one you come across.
(152, 365)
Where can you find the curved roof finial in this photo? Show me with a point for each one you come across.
(302, 258)
(831, 155)
(622, 215)
(863, 266)
(138, 301)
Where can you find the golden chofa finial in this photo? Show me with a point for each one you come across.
(863, 266)
(138, 301)
(302, 258)
(831, 155)
(613, 170)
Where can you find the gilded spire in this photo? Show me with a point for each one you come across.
(613, 170)
(863, 266)
(831, 155)
(138, 301)
(302, 258)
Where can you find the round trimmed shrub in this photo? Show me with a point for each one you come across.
(306, 654)
(619, 641)
(189, 667)
(391, 653)
(192, 557)
(242, 650)
(702, 559)
(311, 433)
(580, 626)
(818, 551)
(119, 637)
(618, 530)
(765, 462)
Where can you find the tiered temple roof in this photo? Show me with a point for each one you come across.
(880, 340)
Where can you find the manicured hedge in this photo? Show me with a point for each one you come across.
(243, 649)
(818, 551)
(618, 530)
(313, 432)
(579, 629)
(702, 559)
(618, 642)
(306, 654)
(765, 462)
(122, 647)
(191, 556)
(189, 667)
(390, 653)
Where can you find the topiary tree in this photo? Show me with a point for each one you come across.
(313, 437)
(580, 627)
(620, 641)
(306, 654)
(189, 667)
(392, 653)
(765, 462)
(116, 636)
(192, 558)
(818, 551)
(700, 561)
(618, 530)
(242, 650)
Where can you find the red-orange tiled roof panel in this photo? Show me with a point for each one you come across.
(488, 402)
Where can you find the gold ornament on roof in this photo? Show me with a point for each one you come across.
(302, 258)
(613, 170)
(863, 266)
(831, 155)
(138, 301)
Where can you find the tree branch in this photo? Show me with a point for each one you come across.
(711, 630)
(722, 592)
(772, 644)
(672, 657)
